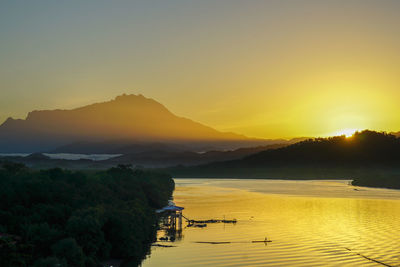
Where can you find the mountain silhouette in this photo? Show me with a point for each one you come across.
(334, 157)
(124, 120)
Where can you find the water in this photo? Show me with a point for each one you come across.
(310, 223)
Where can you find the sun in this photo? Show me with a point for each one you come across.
(346, 132)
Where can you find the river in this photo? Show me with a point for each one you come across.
(310, 223)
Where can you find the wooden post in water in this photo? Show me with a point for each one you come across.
(180, 221)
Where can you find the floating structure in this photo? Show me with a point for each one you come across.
(171, 222)
(265, 241)
(210, 221)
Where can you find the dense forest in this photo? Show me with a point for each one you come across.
(57, 217)
(379, 179)
(370, 158)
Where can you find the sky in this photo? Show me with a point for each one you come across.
(269, 69)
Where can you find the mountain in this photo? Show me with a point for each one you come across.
(116, 147)
(334, 157)
(125, 120)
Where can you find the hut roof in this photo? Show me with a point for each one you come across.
(170, 208)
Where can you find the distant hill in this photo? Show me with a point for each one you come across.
(397, 134)
(172, 147)
(143, 158)
(364, 147)
(116, 147)
(335, 157)
(128, 119)
(164, 158)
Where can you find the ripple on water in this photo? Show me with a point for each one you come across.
(335, 228)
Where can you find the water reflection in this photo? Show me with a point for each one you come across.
(306, 227)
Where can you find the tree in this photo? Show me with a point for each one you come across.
(69, 250)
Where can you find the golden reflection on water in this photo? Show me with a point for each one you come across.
(306, 229)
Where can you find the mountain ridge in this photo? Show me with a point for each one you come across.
(124, 119)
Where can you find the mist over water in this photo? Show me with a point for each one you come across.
(311, 223)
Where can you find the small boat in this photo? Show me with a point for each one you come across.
(214, 243)
(262, 241)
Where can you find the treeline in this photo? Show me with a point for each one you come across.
(371, 158)
(63, 218)
(363, 148)
(378, 179)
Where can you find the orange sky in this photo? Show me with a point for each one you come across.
(261, 68)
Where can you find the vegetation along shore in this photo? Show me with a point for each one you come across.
(58, 217)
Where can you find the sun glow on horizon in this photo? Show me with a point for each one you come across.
(275, 73)
(346, 132)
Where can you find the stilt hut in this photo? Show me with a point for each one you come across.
(173, 214)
